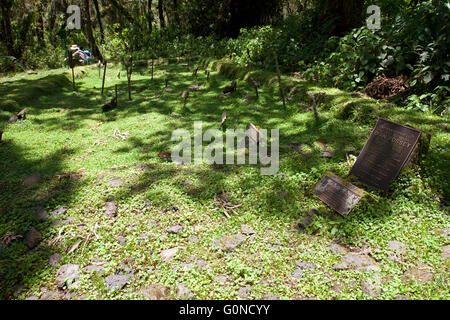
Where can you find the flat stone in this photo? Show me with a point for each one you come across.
(298, 273)
(59, 212)
(337, 249)
(270, 296)
(354, 261)
(117, 281)
(68, 276)
(183, 292)
(155, 292)
(305, 265)
(32, 180)
(401, 297)
(41, 214)
(247, 230)
(446, 252)
(32, 298)
(111, 208)
(419, 274)
(32, 238)
(188, 266)
(54, 259)
(69, 220)
(397, 247)
(372, 286)
(115, 182)
(229, 243)
(175, 229)
(52, 295)
(168, 254)
(444, 232)
(244, 292)
(94, 268)
(221, 279)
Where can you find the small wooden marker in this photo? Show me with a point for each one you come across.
(279, 79)
(185, 96)
(104, 75)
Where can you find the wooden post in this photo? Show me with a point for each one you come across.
(279, 79)
(71, 65)
(73, 79)
(104, 75)
(129, 71)
(153, 63)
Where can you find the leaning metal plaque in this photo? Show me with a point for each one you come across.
(340, 195)
(384, 154)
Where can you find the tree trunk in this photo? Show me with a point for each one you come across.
(88, 28)
(162, 23)
(99, 19)
(122, 11)
(175, 12)
(149, 15)
(7, 34)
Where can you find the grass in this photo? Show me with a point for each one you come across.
(50, 143)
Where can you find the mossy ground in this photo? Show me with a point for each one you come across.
(50, 142)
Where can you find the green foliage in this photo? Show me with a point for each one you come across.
(414, 43)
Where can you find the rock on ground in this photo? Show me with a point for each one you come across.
(354, 261)
(247, 229)
(244, 292)
(270, 296)
(32, 238)
(155, 292)
(168, 254)
(297, 274)
(372, 286)
(59, 212)
(446, 252)
(305, 265)
(419, 274)
(183, 292)
(111, 208)
(68, 276)
(117, 281)
(41, 214)
(229, 243)
(54, 259)
(52, 295)
(397, 247)
(175, 229)
(337, 249)
(115, 182)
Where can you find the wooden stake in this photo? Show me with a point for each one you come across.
(153, 63)
(279, 79)
(73, 79)
(104, 75)
(129, 71)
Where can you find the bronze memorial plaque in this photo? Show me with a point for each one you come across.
(385, 153)
(339, 195)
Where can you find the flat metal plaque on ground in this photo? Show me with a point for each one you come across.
(340, 195)
(385, 153)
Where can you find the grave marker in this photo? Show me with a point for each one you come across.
(385, 153)
(338, 194)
